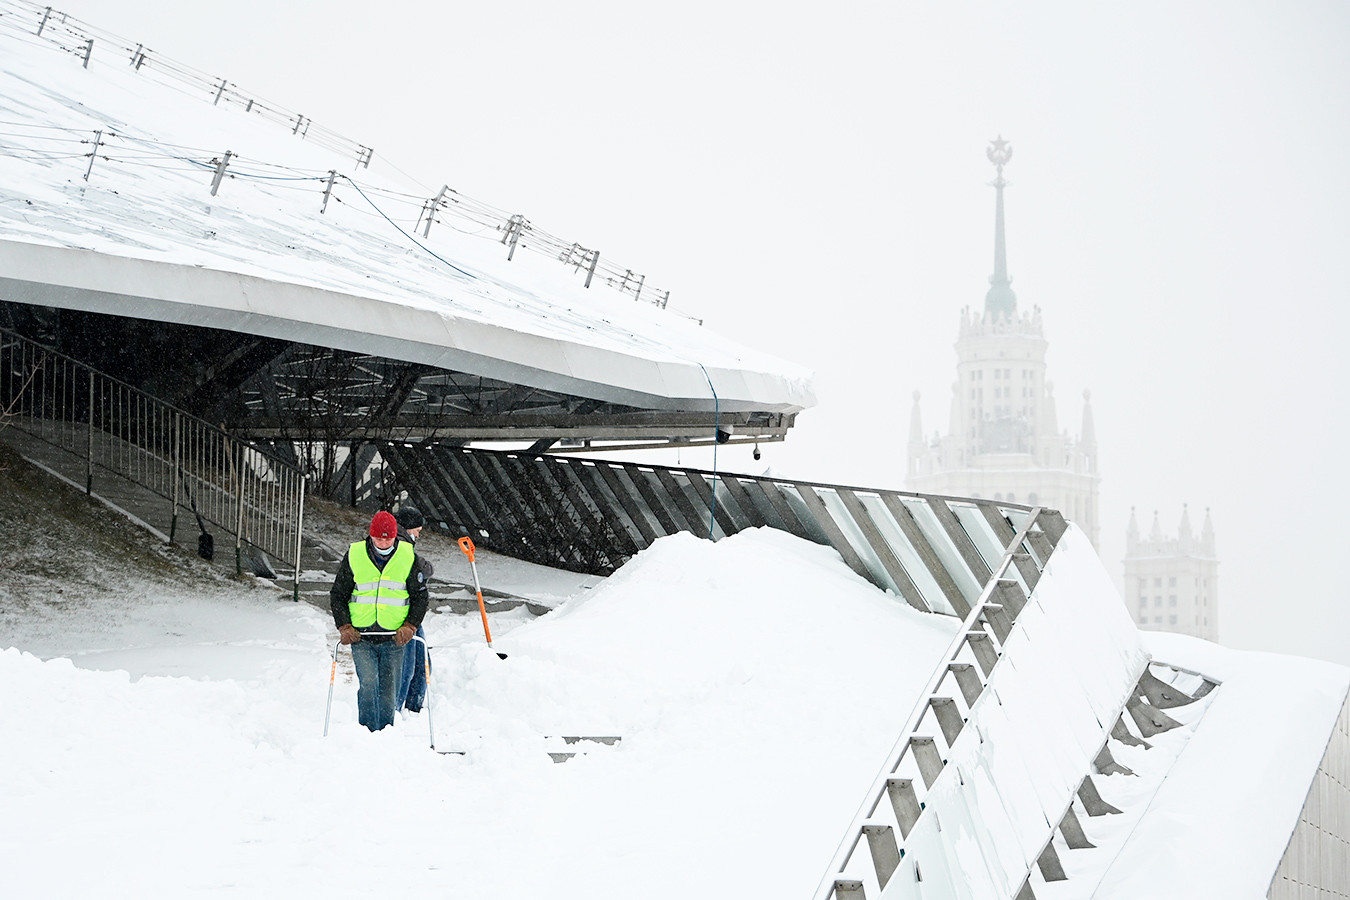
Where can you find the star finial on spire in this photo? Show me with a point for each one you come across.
(999, 152)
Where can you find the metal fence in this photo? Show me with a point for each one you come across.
(122, 436)
(938, 553)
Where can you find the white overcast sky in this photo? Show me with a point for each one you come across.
(814, 182)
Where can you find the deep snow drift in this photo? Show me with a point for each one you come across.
(740, 675)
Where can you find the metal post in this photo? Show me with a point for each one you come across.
(328, 190)
(514, 226)
(177, 473)
(299, 531)
(43, 24)
(230, 448)
(435, 205)
(89, 447)
(88, 52)
(220, 171)
(219, 90)
(98, 142)
(595, 259)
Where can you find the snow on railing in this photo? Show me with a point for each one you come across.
(1003, 737)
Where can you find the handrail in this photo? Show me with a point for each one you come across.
(117, 429)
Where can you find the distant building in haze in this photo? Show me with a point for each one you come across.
(1004, 441)
(1172, 584)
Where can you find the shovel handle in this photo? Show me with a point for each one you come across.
(466, 544)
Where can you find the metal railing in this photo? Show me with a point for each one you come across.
(118, 434)
(937, 553)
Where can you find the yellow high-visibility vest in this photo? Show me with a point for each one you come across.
(380, 597)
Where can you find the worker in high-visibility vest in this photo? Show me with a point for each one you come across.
(378, 600)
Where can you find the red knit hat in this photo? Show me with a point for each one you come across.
(384, 525)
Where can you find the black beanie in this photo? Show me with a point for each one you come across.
(410, 517)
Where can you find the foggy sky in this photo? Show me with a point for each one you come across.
(815, 184)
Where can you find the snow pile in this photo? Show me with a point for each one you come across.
(1218, 824)
(743, 677)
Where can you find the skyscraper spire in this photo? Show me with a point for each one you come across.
(1000, 302)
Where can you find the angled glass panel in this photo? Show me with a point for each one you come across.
(942, 545)
(1018, 517)
(977, 526)
(857, 539)
(908, 556)
(794, 502)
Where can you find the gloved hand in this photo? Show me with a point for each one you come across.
(348, 634)
(404, 634)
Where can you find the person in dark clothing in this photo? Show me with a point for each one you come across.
(412, 687)
(378, 601)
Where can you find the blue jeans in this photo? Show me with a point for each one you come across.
(377, 673)
(412, 686)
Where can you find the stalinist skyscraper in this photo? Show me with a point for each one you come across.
(1003, 440)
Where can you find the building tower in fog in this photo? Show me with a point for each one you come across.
(1172, 584)
(1004, 440)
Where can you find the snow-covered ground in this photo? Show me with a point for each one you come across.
(182, 753)
(164, 732)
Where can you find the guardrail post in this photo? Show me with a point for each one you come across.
(177, 473)
(1008, 593)
(1093, 803)
(231, 448)
(1050, 866)
(905, 803)
(997, 617)
(983, 648)
(948, 716)
(89, 446)
(299, 533)
(886, 853)
(968, 681)
(1026, 567)
(849, 890)
(927, 756)
(1073, 832)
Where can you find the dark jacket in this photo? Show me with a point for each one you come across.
(422, 562)
(341, 592)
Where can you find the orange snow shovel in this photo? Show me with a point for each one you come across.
(466, 545)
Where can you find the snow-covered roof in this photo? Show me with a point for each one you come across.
(117, 196)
